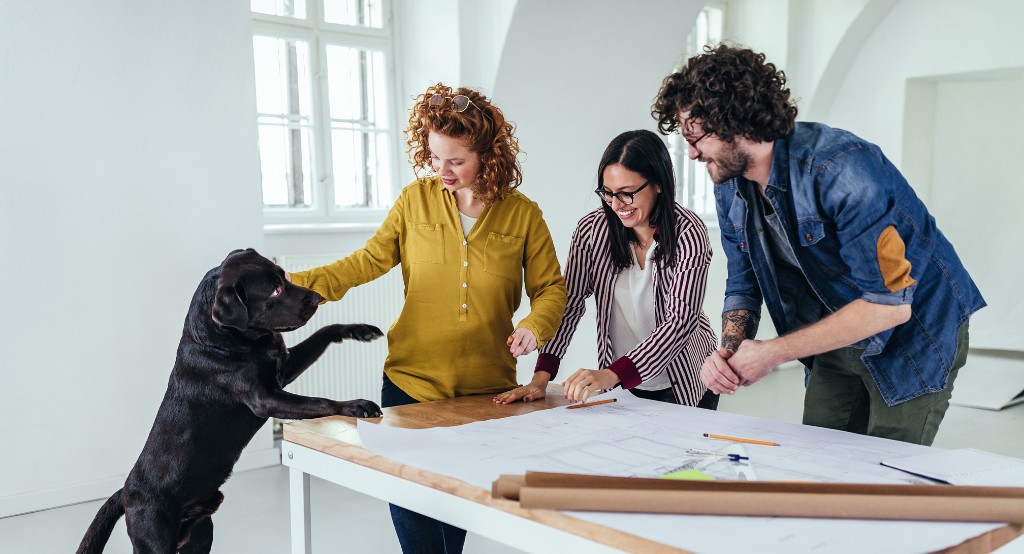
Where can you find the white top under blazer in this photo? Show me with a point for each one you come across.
(633, 318)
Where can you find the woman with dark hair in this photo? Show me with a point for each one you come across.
(645, 259)
(467, 242)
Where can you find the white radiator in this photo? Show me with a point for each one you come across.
(351, 369)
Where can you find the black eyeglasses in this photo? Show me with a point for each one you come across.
(623, 197)
(460, 102)
(693, 143)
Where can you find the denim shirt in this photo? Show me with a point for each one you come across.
(850, 210)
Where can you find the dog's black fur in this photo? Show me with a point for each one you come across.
(227, 380)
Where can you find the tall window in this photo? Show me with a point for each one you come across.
(695, 188)
(324, 89)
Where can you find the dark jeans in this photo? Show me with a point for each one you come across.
(417, 533)
(709, 401)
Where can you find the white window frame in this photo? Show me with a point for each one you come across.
(319, 34)
(690, 174)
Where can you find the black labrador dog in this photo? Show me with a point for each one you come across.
(227, 380)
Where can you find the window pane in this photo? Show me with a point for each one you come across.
(700, 31)
(361, 167)
(703, 189)
(695, 189)
(283, 83)
(716, 25)
(355, 81)
(364, 13)
(286, 8)
(285, 161)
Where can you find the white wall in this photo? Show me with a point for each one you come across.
(967, 155)
(974, 144)
(762, 25)
(428, 47)
(482, 29)
(129, 169)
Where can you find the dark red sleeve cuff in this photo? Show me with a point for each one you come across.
(549, 363)
(629, 377)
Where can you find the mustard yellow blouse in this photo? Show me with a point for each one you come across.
(460, 293)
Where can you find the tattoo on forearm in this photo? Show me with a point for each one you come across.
(738, 325)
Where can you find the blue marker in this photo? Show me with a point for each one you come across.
(732, 457)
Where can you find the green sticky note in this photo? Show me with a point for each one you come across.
(688, 475)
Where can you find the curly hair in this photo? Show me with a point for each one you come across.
(732, 92)
(489, 135)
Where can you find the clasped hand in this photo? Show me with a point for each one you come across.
(724, 371)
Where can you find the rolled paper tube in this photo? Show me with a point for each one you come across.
(777, 504)
(507, 486)
(580, 481)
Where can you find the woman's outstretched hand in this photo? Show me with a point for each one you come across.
(536, 390)
(588, 382)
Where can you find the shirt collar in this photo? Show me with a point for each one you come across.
(778, 176)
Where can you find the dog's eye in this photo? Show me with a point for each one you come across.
(277, 292)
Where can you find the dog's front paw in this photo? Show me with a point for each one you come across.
(359, 408)
(337, 332)
(362, 332)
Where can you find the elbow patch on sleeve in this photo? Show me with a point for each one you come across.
(892, 260)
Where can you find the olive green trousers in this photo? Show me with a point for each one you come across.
(842, 395)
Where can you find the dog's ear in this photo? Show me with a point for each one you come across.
(229, 309)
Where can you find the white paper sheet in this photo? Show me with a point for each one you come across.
(642, 438)
(964, 466)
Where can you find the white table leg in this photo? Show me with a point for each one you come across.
(299, 500)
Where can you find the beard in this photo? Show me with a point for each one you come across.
(730, 163)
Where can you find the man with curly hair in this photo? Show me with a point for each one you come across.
(818, 225)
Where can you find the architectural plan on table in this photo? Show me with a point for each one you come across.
(642, 438)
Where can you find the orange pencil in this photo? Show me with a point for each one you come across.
(737, 439)
(597, 403)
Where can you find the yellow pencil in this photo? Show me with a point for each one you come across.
(737, 439)
(597, 403)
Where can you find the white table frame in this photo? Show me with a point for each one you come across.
(503, 527)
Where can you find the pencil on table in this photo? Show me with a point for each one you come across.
(597, 403)
(748, 440)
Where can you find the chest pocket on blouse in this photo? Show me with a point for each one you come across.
(503, 256)
(426, 243)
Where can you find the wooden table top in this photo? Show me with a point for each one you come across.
(338, 437)
(440, 413)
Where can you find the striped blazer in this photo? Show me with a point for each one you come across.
(683, 337)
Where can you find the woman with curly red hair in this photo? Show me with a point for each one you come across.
(467, 242)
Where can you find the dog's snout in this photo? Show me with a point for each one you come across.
(310, 302)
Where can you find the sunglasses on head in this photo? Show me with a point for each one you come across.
(460, 102)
